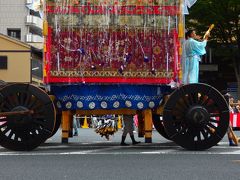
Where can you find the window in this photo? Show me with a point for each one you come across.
(3, 62)
(15, 33)
(37, 68)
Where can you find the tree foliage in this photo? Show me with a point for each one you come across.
(225, 15)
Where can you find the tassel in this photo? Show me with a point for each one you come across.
(45, 28)
(180, 30)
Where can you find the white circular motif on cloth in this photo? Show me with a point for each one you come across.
(140, 105)
(151, 104)
(128, 103)
(91, 105)
(68, 105)
(79, 104)
(59, 104)
(116, 104)
(104, 104)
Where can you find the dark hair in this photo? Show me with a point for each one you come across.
(188, 33)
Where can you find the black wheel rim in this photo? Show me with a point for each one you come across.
(159, 126)
(57, 124)
(196, 116)
(28, 131)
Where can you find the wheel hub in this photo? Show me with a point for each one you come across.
(20, 119)
(197, 116)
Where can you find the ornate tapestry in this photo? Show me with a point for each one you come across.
(103, 41)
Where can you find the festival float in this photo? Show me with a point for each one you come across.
(113, 57)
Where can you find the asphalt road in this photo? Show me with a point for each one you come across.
(88, 156)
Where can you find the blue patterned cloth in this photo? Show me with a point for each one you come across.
(86, 97)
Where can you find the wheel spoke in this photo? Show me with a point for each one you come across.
(194, 97)
(198, 136)
(211, 125)
(3, 125)
(190, 99)
(6, 130)
(213, 120)
(181, 131)
(178, 111)
(202, 99)
(21, 97)
(39, 110)
(184, 102)
(205, 135)
(210, 130)
(16, 137)
(38, 107)
(27, 99)
(5, 109)
(10, 134)
(157, 122)
(13, 99)
(211, 107)
(38, 121)
(205, 101)
(184, 98)
(32, 103)
(8, 106)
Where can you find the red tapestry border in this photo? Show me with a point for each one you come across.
(119, 10)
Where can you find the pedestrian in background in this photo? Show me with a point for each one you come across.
(232, 138)
(128, 128)
(75, 128)
(237, 108)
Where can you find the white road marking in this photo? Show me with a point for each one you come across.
(118, 150)
(95, 148)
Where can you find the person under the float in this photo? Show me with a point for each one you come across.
(193, 50)
(128, 128)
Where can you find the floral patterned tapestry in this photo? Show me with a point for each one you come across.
(112, 41)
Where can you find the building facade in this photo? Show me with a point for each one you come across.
(15, 60)
(19, 21)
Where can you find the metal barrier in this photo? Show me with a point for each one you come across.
(235, 120)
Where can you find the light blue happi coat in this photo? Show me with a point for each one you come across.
(192, 52)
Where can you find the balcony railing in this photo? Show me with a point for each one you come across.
(32, 38)
(34, 21)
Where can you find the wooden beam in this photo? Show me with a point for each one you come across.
(66, 124)
(148, 125)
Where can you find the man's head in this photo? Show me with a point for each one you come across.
(190, 34)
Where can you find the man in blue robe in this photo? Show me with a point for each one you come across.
(194, 49)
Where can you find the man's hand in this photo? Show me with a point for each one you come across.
(197, 37)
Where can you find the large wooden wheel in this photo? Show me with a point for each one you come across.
(27, 116)
(57, 124)
(196, 116)
(158, 124)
